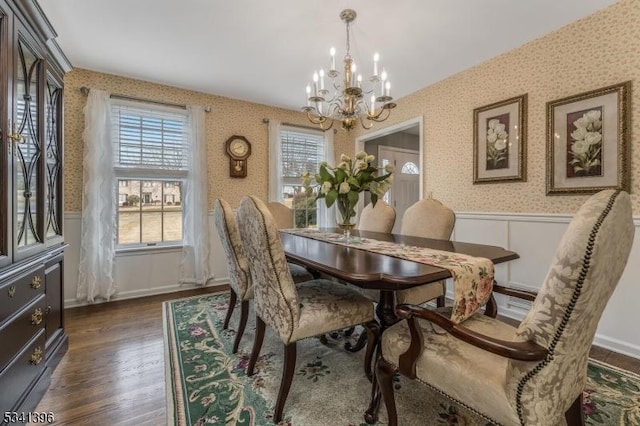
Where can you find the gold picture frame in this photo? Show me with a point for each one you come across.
(588, 141)
(499, 141)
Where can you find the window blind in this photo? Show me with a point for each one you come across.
(149, 141)
(300, 151)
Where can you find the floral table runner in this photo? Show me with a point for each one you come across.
(472, 276)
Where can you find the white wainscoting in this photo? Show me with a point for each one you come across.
(533, 236)
(138, 273)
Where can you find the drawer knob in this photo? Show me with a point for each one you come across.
(48, 310)
(12, 291)
(36, 282)
(36, 356)
(36, 317)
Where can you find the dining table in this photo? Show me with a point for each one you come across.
(380, 271)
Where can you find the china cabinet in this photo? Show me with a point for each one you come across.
(32, 336)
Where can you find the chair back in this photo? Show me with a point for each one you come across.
(275, 296)
(587, 265)
(237, 263)
(282, 214)
(428, 218)
(380, 218)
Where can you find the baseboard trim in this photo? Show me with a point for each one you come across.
(134, 294)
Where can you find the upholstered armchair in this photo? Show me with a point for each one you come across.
(283, 216)
(295, 312)
(237, 264)
(380, 218)
(532, 374)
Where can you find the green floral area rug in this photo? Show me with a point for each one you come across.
(207, 384)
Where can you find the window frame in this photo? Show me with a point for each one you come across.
(278, 183)
(146, 174)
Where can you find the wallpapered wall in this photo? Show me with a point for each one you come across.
(227, 117)
(594, 52)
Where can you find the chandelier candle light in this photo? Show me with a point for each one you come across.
(348, 103)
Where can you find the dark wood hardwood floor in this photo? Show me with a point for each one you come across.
(113, 373)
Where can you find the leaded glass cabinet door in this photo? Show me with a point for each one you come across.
(5, 145)
(53, 157)
(28, 122)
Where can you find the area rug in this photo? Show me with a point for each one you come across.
(206, 384)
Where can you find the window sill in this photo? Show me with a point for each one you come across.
(143, 250)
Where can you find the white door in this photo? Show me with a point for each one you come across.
(405, 189)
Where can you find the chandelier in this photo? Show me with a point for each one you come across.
(349, 103)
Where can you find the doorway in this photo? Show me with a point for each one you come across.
(405, 189)
(400, 145)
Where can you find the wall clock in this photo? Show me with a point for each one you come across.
(238, 149)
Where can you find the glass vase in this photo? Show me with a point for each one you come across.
(346, 219)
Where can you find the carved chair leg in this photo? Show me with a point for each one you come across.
(575, 414)
(287, 377)
(384, 374)
(244, 313)
(232, 305)
(373, 337)
(257, 345)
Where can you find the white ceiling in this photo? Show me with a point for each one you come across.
(266, 51)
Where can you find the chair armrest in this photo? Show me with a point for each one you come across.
(491, 308)
(523, 351)
(521, 294)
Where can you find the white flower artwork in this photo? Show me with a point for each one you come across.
(585, 145)
(497, 143)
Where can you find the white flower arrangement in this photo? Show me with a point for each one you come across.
(343, 184)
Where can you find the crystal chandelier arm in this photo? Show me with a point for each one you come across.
(383, 114)
(364, 126)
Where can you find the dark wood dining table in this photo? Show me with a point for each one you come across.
(379, 271)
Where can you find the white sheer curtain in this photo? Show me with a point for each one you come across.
(275, 161)
(96, 270)
(326, 216)
(194, 264)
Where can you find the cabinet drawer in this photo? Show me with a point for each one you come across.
(16, 293)
(16, 332)
(21, 372)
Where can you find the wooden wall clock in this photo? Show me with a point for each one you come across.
(238, 149)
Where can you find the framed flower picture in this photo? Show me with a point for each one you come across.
(499, 141)
(588, 141)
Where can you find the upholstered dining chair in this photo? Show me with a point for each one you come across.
(295, 312)
(380, 218)
(237, 264)
(238, 267)
(283, 216)
(427, 218)
(535, 373)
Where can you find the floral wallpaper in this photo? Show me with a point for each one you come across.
(597, 51)
(549, 68)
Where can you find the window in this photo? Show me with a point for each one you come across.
(150, 164)
(300, 150)
(410, 168)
